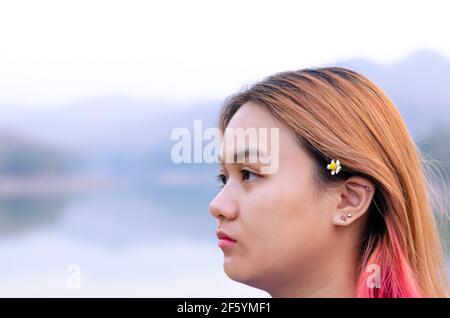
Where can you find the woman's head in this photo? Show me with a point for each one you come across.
(303, 227)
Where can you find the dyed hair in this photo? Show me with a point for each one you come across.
(338, 113)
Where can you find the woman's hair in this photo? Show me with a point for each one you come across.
(337, 113)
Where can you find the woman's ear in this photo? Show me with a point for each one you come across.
(355, 194)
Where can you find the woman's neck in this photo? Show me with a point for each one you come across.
(333, 276)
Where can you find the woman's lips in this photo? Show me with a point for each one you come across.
(225, 241)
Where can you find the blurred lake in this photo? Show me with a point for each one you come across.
(88, 192)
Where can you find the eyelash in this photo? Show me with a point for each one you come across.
(220, 177)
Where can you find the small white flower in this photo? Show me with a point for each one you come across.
(334, 166)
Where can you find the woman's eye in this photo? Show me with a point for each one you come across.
(248, 175)
(222, 179)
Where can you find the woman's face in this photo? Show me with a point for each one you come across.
(281, 225)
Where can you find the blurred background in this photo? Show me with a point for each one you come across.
(91, 203)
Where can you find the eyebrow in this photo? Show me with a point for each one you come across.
(245, 153)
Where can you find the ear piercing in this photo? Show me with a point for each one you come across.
(344, 217)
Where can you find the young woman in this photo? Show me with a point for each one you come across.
(348, 212)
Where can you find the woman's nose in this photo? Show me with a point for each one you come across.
(224, 206)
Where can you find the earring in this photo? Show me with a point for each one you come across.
(343, 218)
(349, 215)
(367, 188)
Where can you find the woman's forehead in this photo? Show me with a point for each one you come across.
(252, 115)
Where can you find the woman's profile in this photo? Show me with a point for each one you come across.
(348, 213)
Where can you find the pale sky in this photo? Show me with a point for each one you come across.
(54, 52)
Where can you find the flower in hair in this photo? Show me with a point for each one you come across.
(334, 166)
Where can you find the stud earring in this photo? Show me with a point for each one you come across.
(349, 215)
(343, 218)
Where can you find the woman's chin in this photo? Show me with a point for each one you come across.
(241, 274)
(233, 270)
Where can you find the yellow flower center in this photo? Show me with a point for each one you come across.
(333, 166)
